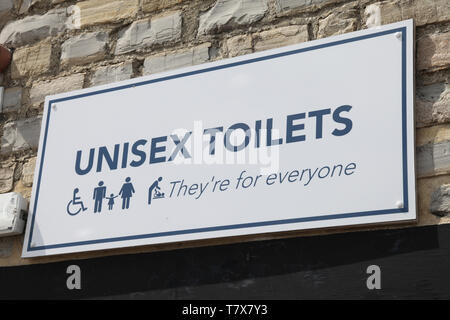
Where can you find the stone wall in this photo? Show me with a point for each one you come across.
(66, 45)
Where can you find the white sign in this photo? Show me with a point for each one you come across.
(313, 135)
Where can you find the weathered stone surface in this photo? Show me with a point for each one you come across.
(193, 56)
(42, 89)
(432, 104)
(12, 99)
(280, 37)
(294, 4)
(433, 159)
(265, 40)
(23, 190)
(26, 5)
(92, 12)
(29, 61)
(239, 45)
(153, 5)
(5, 8)
(232, 12)
(112, 73)
(372, 15)
(425, 188)
(339, 22)
(21, 135)
(28, 172)
(147, 32)
(6, 5)
(6, 247)
(422, 11)
(433, 134)
(34, 28)
(6, 179)
(84, 48)
(433, 51)
(440, 201)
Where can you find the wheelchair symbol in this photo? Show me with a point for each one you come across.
(75, 206)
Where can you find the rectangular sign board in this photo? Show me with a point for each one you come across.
(315, 135)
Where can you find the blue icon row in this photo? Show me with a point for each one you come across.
(76, 205)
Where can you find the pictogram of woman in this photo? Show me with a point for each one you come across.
(126, 192)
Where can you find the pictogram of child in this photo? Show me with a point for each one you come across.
(111, 201)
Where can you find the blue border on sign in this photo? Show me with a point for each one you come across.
(243, 225)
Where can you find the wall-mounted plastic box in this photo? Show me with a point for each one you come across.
(13, 211)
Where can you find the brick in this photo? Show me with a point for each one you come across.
(154, 5)
(29, 61)
(239, 45)
(93, 12)
(84, 48)
(6, 179)
(34, 28)
(422, 11)
(433, 51)
(148, 32)
(12, 99)
(21, 135)
(176, 60)
(440, 201)
(28, 172)
(339, 22)
(280, 37)
(112, 73)
(433, 159)
(40, 90)
(432, 104)
(229, 13)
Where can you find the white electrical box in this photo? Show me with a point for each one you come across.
(13, 211)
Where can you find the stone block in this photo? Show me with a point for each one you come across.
(231, 13)
(93, 12)
(148, 32)
(176, 60)
(433, 51)
(21, 135)
(433, 159)
(40, 90)
(339, 21)
(6, 179)
(422, 11)
(114, 73)
(432, 104)
(28, 172)
(239, 45)
(84, 48)
(440, 201)
(12, 99)
(31, 61)
(280, 37)
(34, 28)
